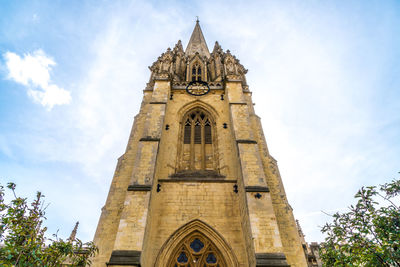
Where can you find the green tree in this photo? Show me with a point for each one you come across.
(369, 233)
(22, 236)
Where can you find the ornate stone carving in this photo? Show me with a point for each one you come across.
(230, 63)
(166, 61)
(177, 65)
(179, 62)
(217, 49)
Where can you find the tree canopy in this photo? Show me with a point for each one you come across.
(22, 236)
(369, 233)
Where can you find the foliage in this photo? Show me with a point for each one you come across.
(369, 233)
(23, 241)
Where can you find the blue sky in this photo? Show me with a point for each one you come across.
(324, 76)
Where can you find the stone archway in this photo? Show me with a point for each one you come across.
(196, 244)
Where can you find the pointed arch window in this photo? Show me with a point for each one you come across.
(198, 148)
(196, 72)
(196, 250)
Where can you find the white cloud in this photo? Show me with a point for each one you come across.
(33, 71)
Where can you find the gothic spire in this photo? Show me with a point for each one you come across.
(197, 43)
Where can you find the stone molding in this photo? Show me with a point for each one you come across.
(257, 188)
(197, 174)
(149, 139)
(271, 260)
(139, 187)
(246, 141)
(237, 103)
(197, 180)
(125, 258)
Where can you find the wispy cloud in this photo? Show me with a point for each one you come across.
(33, 71)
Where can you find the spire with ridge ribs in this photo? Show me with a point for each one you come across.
(197, 43)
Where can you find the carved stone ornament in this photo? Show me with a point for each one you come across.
(177, 65)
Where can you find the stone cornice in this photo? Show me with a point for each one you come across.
(139, 187)
(237, 103)
(197, 180)
(246, 141)
(256, 188)
(125, 258)
(149, 139)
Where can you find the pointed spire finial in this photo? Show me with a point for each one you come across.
(197, 43)
(197, 19)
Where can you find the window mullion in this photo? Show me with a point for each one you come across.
(203, 148)
(192, 145)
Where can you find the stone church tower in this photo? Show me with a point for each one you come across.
(196, 185)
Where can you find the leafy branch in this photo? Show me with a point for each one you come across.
(22, 236)
(369, 233)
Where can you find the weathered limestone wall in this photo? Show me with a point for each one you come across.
(263, 223)
(132, 221)
(135, 207)
(178, 203)
(284, 215)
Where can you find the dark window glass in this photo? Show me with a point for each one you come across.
(182, 258)
(197, 134)
(187, 134)
(196, 245)
(207, 134)
(211, 258)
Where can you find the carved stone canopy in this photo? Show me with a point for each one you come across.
(196, 63)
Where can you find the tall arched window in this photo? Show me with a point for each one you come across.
(196, 72)
(197, 148)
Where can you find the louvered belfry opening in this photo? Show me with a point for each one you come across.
(198, 151)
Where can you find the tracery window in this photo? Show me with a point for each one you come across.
(197, 149)
(196, 250)
(196, 72)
